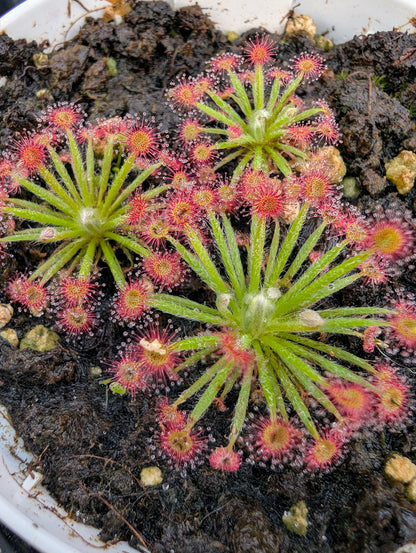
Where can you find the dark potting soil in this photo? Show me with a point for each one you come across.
(90, 445)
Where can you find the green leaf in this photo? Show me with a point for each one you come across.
(88, 259)
(240, 167)
(66, 178)
(274, 248)
(185, 302)
(258, 88)
(242, 142)
(346, 311)
(332, 351)
(277, 264)
(46, 196)
(90, 172)
(305, 114)
(303, 254)
(283, 350)
(219, 285)
(193, 360)
(215, 130)
(34, 235)
(156, 191)
(40, 208)
(225, 255)
(267, 377)
(26, 236)
(279, 161)
(256, 252)
(60, 192)
(235, 252)
(226, 108)
(329, 365)
(334, 325)
(60, 257)
(309, 297)
(274, 362)
(295, 399)
(113, 263)
(285, 97)
(113, 192)
(79, 171)
(274, 94)
(203, 380)
(314, 391)
(291, 149)
(196, 342)
(131, 245)
(241, 406)
(194, 263)
(193, 313)
(260, 160)
(124, 194)
(241, 93)
(230, 157)
(105, 171)
(314, 270)
(220, 116)
(210, 393)
(44, 218)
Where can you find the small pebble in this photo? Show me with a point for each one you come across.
(301, 24)
(411, 490)
(11, 336)
(40, 60)
(350, 187)
(40, 339)
(112, 66)
(401, 171)
(408, 548)
(400, 469)
(151, 476)
(96, 372)
(44, 94)
(324, 43)
(6, 313)
(295, 519)
(231, 36)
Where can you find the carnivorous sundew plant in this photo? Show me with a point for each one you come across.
(252, 111)
(85, 211)
(264, 330)
(270, 252)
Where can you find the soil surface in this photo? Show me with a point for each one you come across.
(90, 445)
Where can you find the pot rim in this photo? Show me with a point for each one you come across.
(56, 21)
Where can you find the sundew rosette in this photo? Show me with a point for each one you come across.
(276, 298)
(246, 108)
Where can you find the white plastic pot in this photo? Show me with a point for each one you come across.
(25, 507)
(58, 20)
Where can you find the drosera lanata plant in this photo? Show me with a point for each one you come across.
(85, 195)
(252, 111)
(271, 307)
(270, 303)
(263, 331)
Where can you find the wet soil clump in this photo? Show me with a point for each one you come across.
(91, 444)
